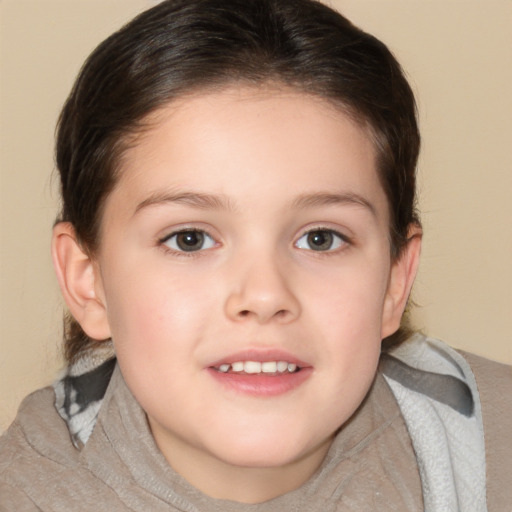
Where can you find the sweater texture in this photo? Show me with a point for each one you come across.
(434, 433)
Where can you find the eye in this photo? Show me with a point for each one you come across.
(321, 240)
(189, 240)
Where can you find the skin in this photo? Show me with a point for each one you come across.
(256, 171)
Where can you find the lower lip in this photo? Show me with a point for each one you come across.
(261, 384)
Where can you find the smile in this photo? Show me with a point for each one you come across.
(260, 373)
(257, 367)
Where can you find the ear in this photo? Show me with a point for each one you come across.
(401, 279)
(80, 282)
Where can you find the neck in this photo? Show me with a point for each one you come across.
(221, 480)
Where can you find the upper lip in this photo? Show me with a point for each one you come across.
(260, 356)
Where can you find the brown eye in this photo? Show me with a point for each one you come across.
(189, 241)
(320, 240)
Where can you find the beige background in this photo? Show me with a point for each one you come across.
(458, 55)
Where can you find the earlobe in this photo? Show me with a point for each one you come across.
(79, 282)
(401, 279)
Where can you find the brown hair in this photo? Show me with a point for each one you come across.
(181, 46)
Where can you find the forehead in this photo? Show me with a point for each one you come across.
(245, 141)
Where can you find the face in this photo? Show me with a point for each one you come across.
(244, 267)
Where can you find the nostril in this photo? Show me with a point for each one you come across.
(244, 313)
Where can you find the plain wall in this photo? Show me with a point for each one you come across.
(458, 56)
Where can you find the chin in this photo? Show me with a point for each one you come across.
(267, 453)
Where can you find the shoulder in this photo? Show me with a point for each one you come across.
(494, 382)
(36, 442)
(13, 499)
(472, 400)
(41, 469)
(489, 373)
(39, 429)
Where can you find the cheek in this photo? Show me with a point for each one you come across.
(347, 310)
(350, 299)
(156, 325)
(153, 312)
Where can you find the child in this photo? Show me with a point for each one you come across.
(236, 247)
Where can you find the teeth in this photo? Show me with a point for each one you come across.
(269, 367)
(282, 366)
(238, 367)
(252, 367)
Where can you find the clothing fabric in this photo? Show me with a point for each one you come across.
(98, 452)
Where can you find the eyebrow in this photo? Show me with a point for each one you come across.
(326, 199)
(193, 199)
(219, 202)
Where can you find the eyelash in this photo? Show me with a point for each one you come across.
(164, 242)
(341, 242)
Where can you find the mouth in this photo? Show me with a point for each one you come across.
(261, 375)
(271, 368)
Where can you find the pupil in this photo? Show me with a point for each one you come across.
(190, 240)
(320, 240)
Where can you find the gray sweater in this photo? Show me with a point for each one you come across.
(373, 464)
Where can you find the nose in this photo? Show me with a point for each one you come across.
(261, 291)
